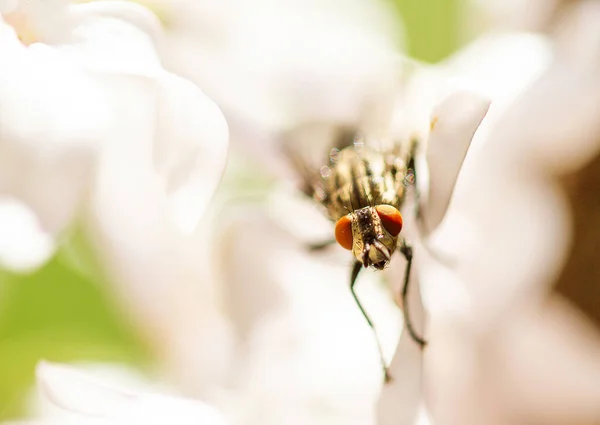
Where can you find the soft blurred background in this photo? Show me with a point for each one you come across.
(235, 311)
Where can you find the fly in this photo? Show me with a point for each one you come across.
(363, 190)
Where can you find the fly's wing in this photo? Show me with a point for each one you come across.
(309, 150)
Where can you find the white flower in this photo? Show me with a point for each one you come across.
(81, 399)
(93, 127)
(266, 254)
(503, 349)
(308, 350)
(282, 296)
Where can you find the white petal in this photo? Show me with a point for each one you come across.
(496, 65)
(47, 21)
(7, 6)
(114, 37)
(72, 108)
(454, 394)
(159, 410)
(75, 392)
(144, 253)
(242, 58)
(533, 15)
(563, 105)
(554, 365)
(191, 148)
(400, 400)
(453, 124)
(499, 66)
(310, 356)
(23, 244)
(78, 393)
(47, 152)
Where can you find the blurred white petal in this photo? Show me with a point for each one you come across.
(495, 65)
(158, 271)
(75, 392)
(7, 6)
(509, 351)
(58, 151)
(190, 148)
(114, 37)
(453, 124)
(274, 65)
(537, 346)
(309, 355)
(134, 149)
(72, 391)
(532, 15)
(567, 96)
(23, 243)
(400, 400)
(46, 21)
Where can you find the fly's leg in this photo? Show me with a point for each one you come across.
(355, 271)
(417, 193)
(407, 251)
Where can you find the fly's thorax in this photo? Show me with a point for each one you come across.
(372, 244)
(362, 178)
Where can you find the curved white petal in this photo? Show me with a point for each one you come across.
(46, 21)
(496, 65)
(72, 112)
(161, 275)
(453, 124)
(51, 125)
(134, 145)
(400, 399)
(563, 105)
(499, 66)
(75, 392)
(190, 148)
(510, 229)
(114, 37)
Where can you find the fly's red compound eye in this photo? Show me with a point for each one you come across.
(391, 219)
(343, 232)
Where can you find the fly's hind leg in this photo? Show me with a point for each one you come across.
(407, 251)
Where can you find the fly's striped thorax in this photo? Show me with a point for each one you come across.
(362, 177)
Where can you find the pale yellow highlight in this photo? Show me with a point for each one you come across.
(433, 123)
(22, 27)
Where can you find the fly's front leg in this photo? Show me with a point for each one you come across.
(355, 271)
(407, 251)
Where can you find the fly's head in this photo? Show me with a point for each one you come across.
(371, 233)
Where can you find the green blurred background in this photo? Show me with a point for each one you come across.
(64, 311)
